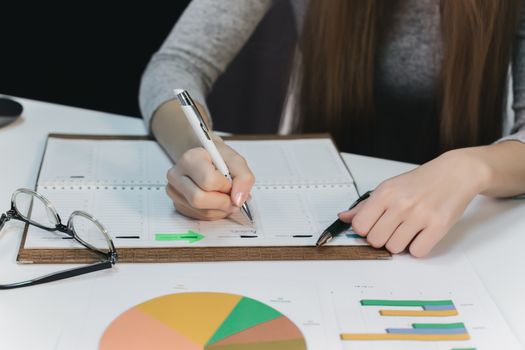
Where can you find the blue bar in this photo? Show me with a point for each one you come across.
(439, 307)
(427, 330)
(353, 235)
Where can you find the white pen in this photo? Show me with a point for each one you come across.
(203, 134)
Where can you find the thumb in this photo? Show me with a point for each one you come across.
(347, 215)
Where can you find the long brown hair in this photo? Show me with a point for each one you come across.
(338, 51)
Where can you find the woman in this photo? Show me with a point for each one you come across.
(419, 80)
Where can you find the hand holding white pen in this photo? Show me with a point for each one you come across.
(200, 183)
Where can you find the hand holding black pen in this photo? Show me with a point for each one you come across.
(339, 226)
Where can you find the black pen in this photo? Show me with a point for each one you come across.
(339, 226)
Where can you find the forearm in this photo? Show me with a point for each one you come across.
(172, 130)
(205, 40)
(499, 168)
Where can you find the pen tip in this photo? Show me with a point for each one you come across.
(247, 212)
(325, 236)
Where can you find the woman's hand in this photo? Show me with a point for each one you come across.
(200, 191)
(419, 207)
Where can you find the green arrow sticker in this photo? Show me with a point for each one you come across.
(190, 236)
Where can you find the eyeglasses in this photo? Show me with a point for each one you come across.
(10, 110)
(34, 209)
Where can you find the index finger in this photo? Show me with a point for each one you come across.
(367, 214)
(242, 177)
(197, 165)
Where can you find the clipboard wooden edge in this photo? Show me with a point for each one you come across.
(198, 254)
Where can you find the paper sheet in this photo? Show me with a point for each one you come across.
(322, 310)
(301, 185)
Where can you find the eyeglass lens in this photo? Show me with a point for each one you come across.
(35, 210)
(89, 232)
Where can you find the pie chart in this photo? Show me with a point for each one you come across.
(202, 321)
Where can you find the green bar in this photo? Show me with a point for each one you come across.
(190, 236)
(168, 237)
(464, 349)
(438, 325)
(376, 302)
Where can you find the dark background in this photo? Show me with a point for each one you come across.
(93, 57)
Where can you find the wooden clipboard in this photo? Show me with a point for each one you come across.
(196, 254)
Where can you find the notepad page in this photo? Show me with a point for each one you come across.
(294, 162)
(122, 183)
(141, 218)
(132, 162)
(103, 163)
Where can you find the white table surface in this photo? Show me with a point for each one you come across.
(491, 233)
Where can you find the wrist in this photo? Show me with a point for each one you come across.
(471, 166)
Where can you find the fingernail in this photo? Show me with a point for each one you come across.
(239, 199)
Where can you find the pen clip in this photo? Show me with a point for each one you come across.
(186, 100)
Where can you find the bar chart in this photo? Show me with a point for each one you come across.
(417, 331)
(372, 315)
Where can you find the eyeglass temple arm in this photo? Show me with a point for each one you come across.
(59, 275)
(3, 219)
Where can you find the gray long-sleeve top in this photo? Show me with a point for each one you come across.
(210, 33)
